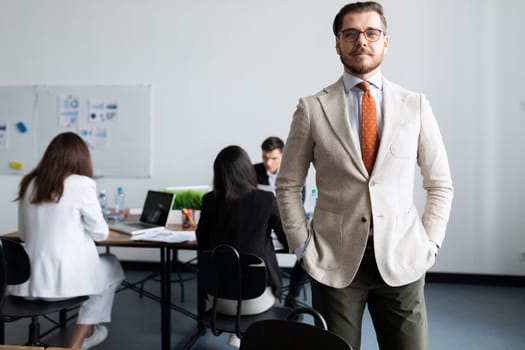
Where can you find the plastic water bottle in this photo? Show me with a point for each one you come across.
(312, 203)
(120, 204)
(103, 200)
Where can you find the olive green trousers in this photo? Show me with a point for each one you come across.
(398, 313)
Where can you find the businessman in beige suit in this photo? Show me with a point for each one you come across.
(366, 244)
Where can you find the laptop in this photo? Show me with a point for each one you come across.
(154, 215)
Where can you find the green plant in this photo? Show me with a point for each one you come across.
(187, 199)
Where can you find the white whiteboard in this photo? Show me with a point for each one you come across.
(124, 151)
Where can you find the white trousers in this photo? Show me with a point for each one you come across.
(97, 309)
(249, 306)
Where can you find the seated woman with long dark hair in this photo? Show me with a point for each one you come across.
(239, 214)
(59, 219)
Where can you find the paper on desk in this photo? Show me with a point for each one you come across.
(168, 236)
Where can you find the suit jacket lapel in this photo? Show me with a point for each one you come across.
(334, 107)
(393, 101)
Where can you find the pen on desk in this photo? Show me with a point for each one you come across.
(187, 212)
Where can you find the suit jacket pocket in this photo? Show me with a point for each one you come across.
(405, 142)
(413, 248)
(324, 248)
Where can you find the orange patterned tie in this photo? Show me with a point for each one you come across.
(369, 134)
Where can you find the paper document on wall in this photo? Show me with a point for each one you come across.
(168, 236)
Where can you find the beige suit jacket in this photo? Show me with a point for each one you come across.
(349, 199)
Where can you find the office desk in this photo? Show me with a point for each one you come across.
(117, 239)
(18, 347)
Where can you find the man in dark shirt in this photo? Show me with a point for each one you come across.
(267, 171)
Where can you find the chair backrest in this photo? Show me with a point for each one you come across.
(289, 334)
(17, 264)
(15, 267)
(228, 274)
(3, 276)
(317, 317)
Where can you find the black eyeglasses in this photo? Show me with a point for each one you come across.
(351, 35)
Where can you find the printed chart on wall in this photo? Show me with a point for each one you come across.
(114, 121)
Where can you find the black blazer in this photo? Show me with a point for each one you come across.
(262, 178)
(262, 175)
(245, 223)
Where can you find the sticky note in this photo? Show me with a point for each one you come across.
(16, 165)
(21, 126)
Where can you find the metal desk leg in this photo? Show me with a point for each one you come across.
(165, 297)
(193, 335)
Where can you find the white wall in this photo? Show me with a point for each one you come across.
(231, 72)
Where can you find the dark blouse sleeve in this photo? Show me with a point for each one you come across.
(203, 231)
(276, 225)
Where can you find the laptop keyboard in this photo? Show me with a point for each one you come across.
(140, 225)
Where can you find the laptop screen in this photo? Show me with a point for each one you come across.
(157, 208)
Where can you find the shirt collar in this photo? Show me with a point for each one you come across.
(350, 81)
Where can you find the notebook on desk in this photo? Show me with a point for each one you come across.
(154, 215)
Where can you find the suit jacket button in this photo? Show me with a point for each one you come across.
(363, 219)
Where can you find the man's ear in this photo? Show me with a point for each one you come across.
(386, 43)
(337, 46)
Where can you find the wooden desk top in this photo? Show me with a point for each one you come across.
(122, 239)
(18, 347)
(116, 239)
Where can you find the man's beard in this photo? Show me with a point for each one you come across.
(361, 68)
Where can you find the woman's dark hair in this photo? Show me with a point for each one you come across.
(357, 7)
(233, 173)
(67, 154)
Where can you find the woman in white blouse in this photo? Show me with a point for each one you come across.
(59, 219)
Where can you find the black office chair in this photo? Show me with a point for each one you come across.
(289, 334)
(15, 268)
(227, 274)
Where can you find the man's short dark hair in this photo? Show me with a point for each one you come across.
(272, 143)
(358, 7)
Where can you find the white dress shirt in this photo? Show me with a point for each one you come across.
(272, 177)
(354, 98)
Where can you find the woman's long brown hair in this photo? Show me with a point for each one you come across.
(67, 154)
